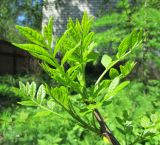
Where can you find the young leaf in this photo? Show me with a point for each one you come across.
(27, 88)
(32, 48)
(32, 35)
(106, 60)
(46, 59)
(41, 93)
(127, 68)
(145, 122)
(120, 87)
(86, 23)
(42, 114)
(50, 104)
(61, 95)
(123, 47)
(69, 53)
(112, 93)
(129, 43)
(87, 40)
(27, 103)
(60, 42)
(32, 90)
(114, 84)
(22, 87)
(50, 31)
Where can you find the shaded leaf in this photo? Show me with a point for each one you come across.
(113, 73)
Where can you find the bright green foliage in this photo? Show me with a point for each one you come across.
(34, 125)
(119, 21)
(138, 119)
(49, 129)
(72, 92)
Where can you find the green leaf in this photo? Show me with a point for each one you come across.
(87, 40)
(154, 118)
(72, 69)
(78, 28)
(69, 53)
(145, 122)
(46, 59)
(42, 114)
(27, 88)
(61, 95)
(51, 104)
(102, 88)
(89, 50)
(113, 92)
(32, 90)
(86, 23)
(32, 48)
(127, 68)
(92, 56)
(60, 42)
(121, 130)
(123, 47)
(113, 73)
(22, 87)
(41, 93)
(120, 87)
(106, 60)
(136, 37)
(113, 84)
(130, 42)
(27, 103)
(50, 31)
(120, 121)
(32, 35)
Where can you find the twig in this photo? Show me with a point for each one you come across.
(105, 131)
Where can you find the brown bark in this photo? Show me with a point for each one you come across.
(105, 131)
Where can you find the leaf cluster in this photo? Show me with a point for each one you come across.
(76, 48)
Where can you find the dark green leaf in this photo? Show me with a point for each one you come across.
(113, 73)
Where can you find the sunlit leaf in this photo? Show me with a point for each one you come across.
(145, 121)
(32, 90)
(106, 60)
(27, 103)
(41, 93)
(32, 35)
(42, 114)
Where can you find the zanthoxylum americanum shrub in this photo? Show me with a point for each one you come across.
(71, 92)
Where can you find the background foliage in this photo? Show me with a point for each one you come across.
(114, 24)
(19, 12)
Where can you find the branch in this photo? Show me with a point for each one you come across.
(105, 131)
